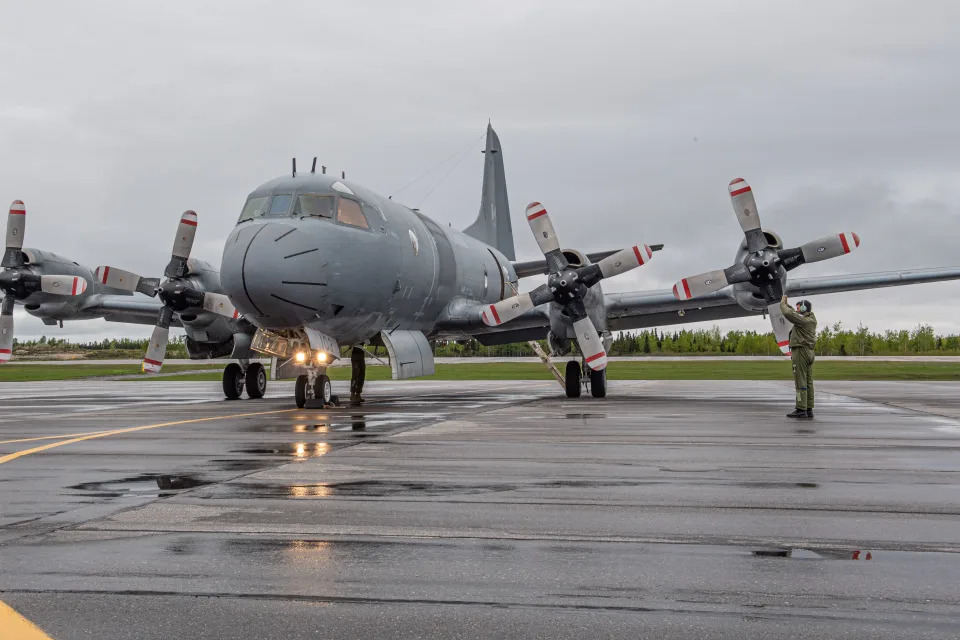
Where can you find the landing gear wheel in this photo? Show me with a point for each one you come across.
(573, 379)
(300, 391)
(323, 390)
(598, 383)
(232, 381)
(256, 380)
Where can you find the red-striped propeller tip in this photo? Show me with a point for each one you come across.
(738, 186)
(189, 217)
(17, 207)
(856, 239)
(535, 210)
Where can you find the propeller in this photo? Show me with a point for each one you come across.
(764, 266)
(566, 286)
(18, 281)
(175, 292)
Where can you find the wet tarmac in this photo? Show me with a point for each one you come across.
(482, 509)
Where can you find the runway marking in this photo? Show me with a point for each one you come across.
(103, 434)
(63, 435)
(17, 626)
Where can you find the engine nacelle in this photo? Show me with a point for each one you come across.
(747, 294)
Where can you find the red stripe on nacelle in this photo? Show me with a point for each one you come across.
(843, 241)
(595, 356)
(496, 316)
(739, 191)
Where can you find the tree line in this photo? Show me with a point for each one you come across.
(831, 341)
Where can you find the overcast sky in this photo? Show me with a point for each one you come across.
(626, 119)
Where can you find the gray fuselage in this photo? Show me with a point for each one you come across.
(314, 251)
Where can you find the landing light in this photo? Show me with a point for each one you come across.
(301, 357)
(321, 356)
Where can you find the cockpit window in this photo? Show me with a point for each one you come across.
(253, 208)
(349, 213)
(316, 206)
(280, 205)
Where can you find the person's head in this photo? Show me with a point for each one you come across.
(804, 306)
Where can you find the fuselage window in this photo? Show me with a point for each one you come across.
(280, 205)
(253, 208)
(314, 206)
(349, 213)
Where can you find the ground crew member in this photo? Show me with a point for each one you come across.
(358, 373)
(803, 337)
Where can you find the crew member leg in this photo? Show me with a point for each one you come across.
(810, 386)
(800, 383)
(358, 374)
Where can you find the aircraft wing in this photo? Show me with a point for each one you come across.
(657, 308)
(124, 308)
(638, 310)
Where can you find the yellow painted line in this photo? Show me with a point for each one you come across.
(104, 434)
(62, 435)
(14, 626)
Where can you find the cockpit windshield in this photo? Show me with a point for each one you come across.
(316, 206)
(253, 209)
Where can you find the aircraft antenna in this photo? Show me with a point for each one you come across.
(324, 167)
(313, 168)
(294, 161)
(343, 175)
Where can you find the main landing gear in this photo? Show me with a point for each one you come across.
(576, 378)
(251, 376)
(313, 385)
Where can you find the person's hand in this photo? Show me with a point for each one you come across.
(783, 299)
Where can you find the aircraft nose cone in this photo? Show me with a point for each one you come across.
(275, 274)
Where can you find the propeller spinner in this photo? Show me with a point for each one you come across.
(764, 266)
(566, 286)
(18, 281)
(176, 292)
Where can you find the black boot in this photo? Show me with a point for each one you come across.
(797, 413)
(809, 413)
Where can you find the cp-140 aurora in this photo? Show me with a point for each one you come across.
(317, 264)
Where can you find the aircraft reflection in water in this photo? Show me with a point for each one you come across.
(317, 264)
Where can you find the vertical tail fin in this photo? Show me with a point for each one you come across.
(493, 222)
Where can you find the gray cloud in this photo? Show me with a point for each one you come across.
(626, 119)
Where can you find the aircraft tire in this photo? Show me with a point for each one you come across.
(232, 381)
(323, 390)
(598, 383)
(572, 379)
(256, 381)
(300, 391)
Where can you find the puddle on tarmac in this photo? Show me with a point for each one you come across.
(148, 484)
(295, 450)
(585, 416)
(777, 485)
(799, 553)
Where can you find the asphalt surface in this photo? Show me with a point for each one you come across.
(670, 509)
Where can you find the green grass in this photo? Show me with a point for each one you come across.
(671, 370)
(34, 372)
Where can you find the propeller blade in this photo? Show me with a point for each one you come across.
(820, 249)
(63, 285)
(741, 195)
(494, 315)
(6, 330)
(220, 304)
(16, 226)
(546, 237)
(126, 280)
(157, 349)
(704, 283)
(781, 327)
(773, 291)
(625, 260)
(182, 244)
(590, 344)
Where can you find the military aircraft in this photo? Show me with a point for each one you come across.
(316, 264)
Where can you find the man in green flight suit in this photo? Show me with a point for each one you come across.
(803, 338)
